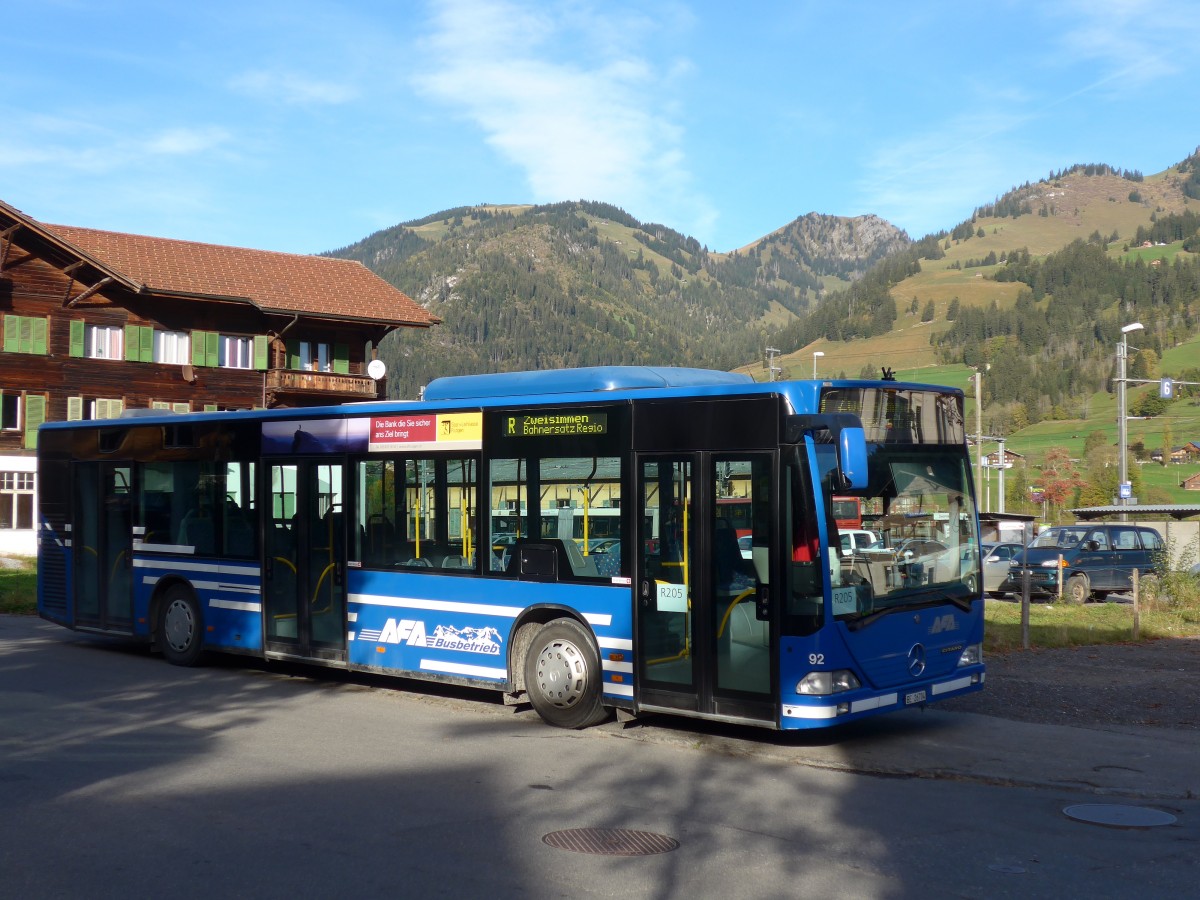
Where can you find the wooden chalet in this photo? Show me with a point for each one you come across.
(97, 322)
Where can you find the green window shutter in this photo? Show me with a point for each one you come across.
(341, 359)
(262, 352)
(293, 354)
(77, 340)
(25, 344)
(132, 344)
(39, 329)
(74, 409)
(198, 348)
(12, 333)
(146, 344)
(212, 348)
(210, 407)
(159, 404)
(35, 415)
(181, 407)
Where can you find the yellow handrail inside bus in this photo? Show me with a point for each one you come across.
(317, 591)
(736, 600)
(687, 633)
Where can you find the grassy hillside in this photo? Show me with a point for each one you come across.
(1076, 206)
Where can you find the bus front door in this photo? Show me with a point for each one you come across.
(304, 566)
(101, 540)
(704, 636)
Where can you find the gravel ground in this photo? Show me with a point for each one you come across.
(1155, 683)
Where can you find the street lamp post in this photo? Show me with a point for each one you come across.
(978, 377)
(1123, 488)
(816, 354)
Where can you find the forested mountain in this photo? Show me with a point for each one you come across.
(581, 283)
(1035, 286)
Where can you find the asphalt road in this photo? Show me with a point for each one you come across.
(121, 776)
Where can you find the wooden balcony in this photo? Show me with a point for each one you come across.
(290, 387)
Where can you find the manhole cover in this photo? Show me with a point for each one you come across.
(610, 841)
(1117, 816)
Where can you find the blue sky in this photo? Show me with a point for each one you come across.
(303, 126)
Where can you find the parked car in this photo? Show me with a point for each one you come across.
(1096, 560)
(996, 561)
(856, 540)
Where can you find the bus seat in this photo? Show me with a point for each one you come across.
(379, 537)
(581, 565)
(608, 564)
(732, 573)
(455, 562)
(198, 531)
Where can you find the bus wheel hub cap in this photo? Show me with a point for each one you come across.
(561, 673)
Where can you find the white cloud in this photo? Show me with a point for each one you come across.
(187, 141)
(581, 114)
(291, 88)
(1135, 41)
(933, 180)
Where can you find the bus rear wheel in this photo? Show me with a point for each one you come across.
(563, 677)
(181, 627)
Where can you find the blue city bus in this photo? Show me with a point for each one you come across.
(363, 537)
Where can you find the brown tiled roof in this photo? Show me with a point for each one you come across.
(276, 282)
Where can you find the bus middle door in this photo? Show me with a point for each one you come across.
(703, 644)
(304, 574)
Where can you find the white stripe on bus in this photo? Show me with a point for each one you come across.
(609, 643)
(433, 665)
(610, 666)
(224, 568)
(242, 605)
(621, 690)
(482, 609)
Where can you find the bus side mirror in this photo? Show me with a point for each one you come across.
(852, 457)
(847, 435)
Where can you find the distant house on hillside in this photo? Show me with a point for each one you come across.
(1011, 458)
(96, 323)
(1178, 454)
(1191, 483)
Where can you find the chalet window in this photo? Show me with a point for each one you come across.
(16, 499)
(236, 352)
(315, 356)
(172, 347)
(105, 409)
(318, 356)
(230, 351)
(104, 341)
(23, 334)
(10, 411)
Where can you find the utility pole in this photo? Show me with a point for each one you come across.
(769, 364)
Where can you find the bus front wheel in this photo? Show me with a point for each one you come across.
(181, 627)
(562, 675)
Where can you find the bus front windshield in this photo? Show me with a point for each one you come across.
(917, 543)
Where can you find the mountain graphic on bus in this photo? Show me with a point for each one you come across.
(472, 640)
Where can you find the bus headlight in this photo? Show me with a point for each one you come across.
(972, 655)
(825, 683)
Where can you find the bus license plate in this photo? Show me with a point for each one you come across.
(914, 697)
